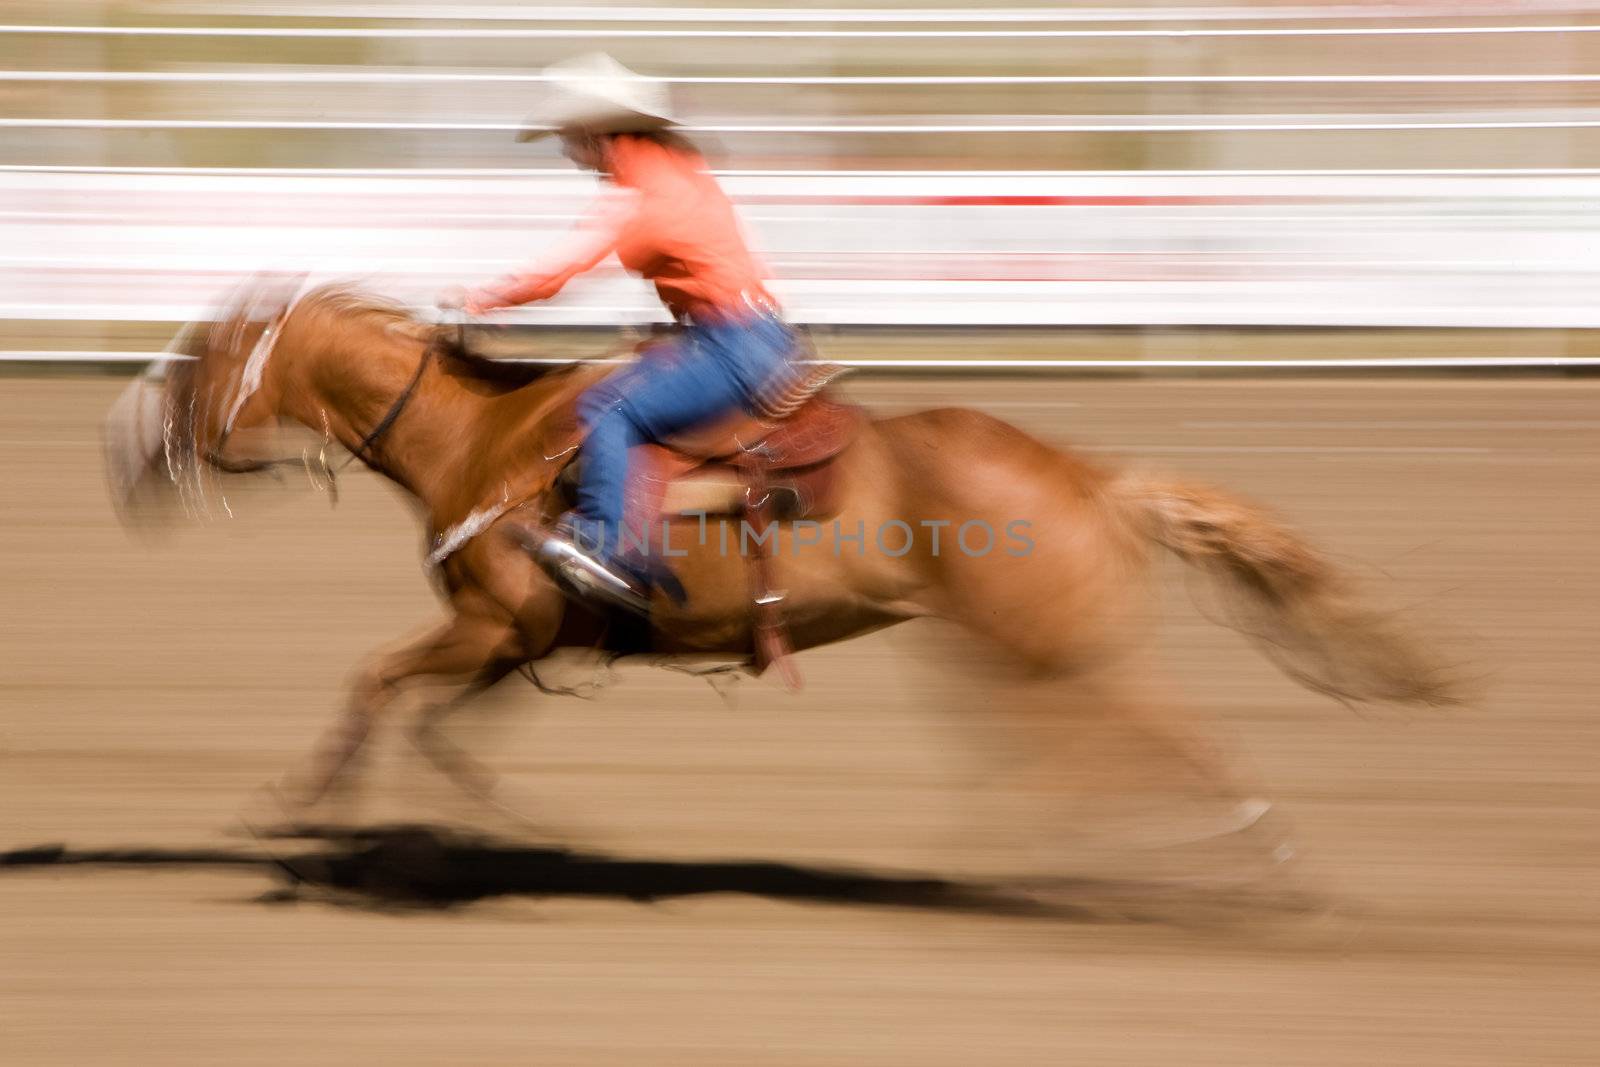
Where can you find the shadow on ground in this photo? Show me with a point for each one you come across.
(431, 867)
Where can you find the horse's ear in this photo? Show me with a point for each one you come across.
(267, 295)
(261, 298)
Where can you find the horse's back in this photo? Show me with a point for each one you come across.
(1037, 551)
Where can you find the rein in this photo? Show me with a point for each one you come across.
(394, 411)
(327, 470)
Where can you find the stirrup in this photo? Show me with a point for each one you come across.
(581, 575)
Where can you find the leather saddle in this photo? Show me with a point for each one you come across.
(760, 469)
(712, 469)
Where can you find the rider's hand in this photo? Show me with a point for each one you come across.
(471, 301)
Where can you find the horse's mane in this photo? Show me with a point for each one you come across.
(449, 342)
(502, 375)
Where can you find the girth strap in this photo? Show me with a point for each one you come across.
(770, 639)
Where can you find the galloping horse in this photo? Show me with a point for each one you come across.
(475, 442)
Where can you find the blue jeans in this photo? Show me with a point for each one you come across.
(706, 372)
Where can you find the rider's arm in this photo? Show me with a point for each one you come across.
(590, 242)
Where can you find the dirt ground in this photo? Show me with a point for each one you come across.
(757, 882)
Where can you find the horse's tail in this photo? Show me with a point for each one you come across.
(1296, 605)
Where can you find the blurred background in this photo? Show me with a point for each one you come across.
(1417, 176)
(1210, 237)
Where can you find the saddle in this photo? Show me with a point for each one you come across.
(774, 466)
(709, 470)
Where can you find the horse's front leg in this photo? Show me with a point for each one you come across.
(470, 652)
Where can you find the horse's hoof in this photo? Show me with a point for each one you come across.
(272, 813)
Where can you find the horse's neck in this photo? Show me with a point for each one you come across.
(451, 446)
(346, 391)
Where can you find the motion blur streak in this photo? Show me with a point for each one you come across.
(1130, 199)
(1127, 229)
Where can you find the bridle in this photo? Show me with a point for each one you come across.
(363, 451)
(393, 414)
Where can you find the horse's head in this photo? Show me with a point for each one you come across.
(175, 420)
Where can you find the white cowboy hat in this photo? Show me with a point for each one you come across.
(596, 93)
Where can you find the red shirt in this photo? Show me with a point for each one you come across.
(668, 221)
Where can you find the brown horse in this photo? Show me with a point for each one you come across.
(1041, 563)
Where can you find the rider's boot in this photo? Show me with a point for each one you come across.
(585, 575)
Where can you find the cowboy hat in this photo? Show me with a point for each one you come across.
(596, 93)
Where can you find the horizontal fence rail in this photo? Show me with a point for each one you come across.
(933, 249)
(460, 33)
(400, 173)
(645, 13)
(387, 77)
(1192, 124)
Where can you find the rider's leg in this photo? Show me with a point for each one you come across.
(707, 374)
(596, 522)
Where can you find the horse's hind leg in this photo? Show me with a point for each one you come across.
(1121, 775)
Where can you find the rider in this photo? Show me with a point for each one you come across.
(668, 220)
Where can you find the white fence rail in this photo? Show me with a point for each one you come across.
(634, 33)
(457, 12)
(851, 248)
